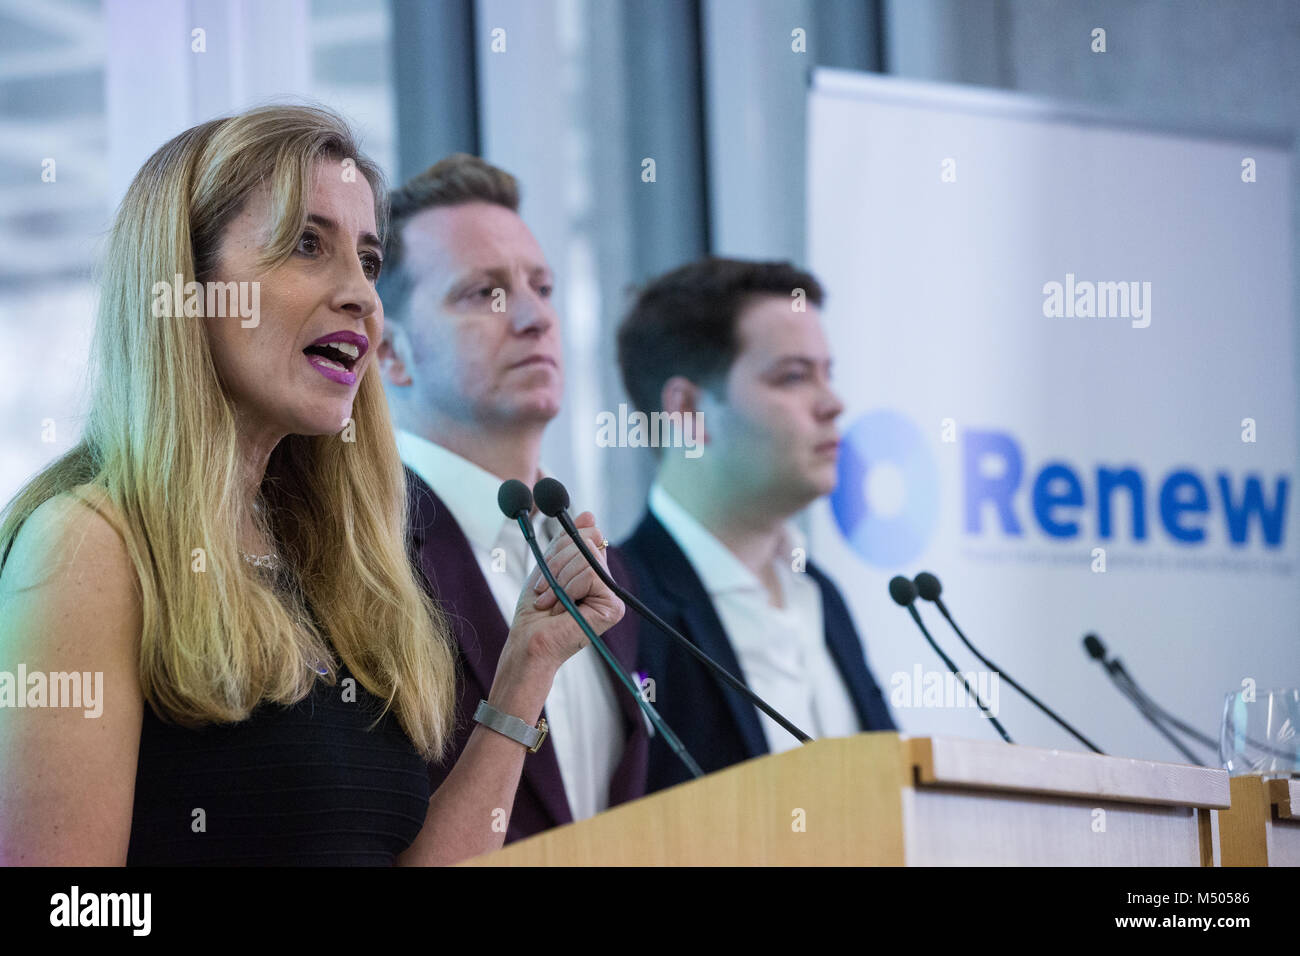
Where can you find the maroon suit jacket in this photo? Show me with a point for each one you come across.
(440, 549)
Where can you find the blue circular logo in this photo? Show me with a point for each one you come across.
(886, 499)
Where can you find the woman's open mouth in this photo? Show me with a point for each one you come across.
(336, 355)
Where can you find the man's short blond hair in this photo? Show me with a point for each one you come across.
(457, 179)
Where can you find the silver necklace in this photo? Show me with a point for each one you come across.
(271, 562)
(260, 560)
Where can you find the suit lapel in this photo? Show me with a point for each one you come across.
(695, 608)
(456, 581)
(621, 642)
(846, 651)
(629, 780)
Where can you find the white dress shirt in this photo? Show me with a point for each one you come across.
(581, 710)
(782, 650)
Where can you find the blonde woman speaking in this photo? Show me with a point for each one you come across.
(221, 562)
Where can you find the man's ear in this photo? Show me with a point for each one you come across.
(680, 394)
(392, 347)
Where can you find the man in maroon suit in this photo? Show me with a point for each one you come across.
(473, 366)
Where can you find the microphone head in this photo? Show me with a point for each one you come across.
(928, 586)
(514, 498)
(902, 590)
(1095, 648)
(551, 497)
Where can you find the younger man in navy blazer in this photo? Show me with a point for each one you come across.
(736, 350)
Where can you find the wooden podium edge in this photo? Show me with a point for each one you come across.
(839, 802)
(834, 802)
(1243, 840)
(994, 765)
(1284, 795)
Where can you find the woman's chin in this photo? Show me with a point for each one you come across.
(325, 421)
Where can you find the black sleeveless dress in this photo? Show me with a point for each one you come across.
(307, 785)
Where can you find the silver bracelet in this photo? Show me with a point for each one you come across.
(512, 727)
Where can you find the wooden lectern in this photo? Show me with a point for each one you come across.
(886, 799)
(1263, 826)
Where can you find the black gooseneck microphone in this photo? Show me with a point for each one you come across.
(1150, 702)
(1119, 677)
(516, 501)
(903, 592)
(929, 588)
(1141, 699)
(553, 500)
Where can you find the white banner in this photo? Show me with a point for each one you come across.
(1067, 350)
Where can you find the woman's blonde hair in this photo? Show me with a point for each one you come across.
(160, 448)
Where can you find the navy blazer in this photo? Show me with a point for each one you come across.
(716, 724)
(439, 548)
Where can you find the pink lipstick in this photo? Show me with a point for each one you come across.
(337, 354)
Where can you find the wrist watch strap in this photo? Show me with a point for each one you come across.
(512, 727)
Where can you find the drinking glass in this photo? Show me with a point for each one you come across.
(1260, 733)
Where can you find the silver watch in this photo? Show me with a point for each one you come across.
(512, 727)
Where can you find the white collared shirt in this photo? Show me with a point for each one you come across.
(782, 651)
(581, 709)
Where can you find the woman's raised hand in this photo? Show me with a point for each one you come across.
(541, 626)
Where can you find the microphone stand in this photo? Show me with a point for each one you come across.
(631, 601)
(653, 715)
